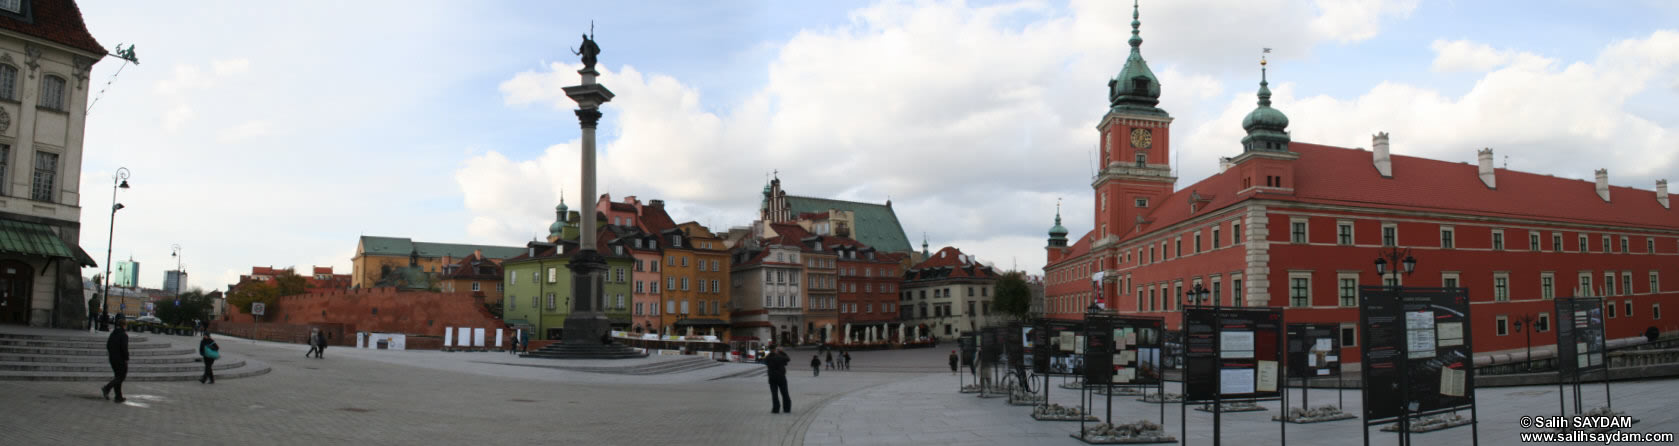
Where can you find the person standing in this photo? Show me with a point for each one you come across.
(953, 362)
(777, 363)
(116, 350)
(815, 366)
(513, 343)
(830, 359)
(320, 346)
(847, 356)
(313, 346)
(208, 349)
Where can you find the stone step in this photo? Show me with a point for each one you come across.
(249, 369)
(97, 359)
(132, 368)
(132, 338)
(168, 351)
(92, 344)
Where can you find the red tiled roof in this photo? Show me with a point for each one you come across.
(655, 219)
(1342, 176)
(623, 207)
(57, 21)
(1345, 176)
(323, 270)
(790, 234)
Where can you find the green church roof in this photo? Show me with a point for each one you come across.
(877, 225)
(1267, 127)
(1135, 89)
(403, 246)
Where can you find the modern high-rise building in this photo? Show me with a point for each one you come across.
(174, 281)
(127, 275)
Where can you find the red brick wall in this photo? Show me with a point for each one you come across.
(415, 313)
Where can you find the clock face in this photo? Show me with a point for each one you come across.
(1142, 138)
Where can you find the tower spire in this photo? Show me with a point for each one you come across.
(1136, 27)
(1267, 127)
(1135, 89)
(1264, 84)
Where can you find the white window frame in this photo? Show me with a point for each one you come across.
(1628, 306)
(1454, 276)
(1340, 280)
(1548, 291)
(1546, 317)
(1556, 241)
(1533, 241)
(1583, 284)
(1655, 311)
(1292, 276)
(1448, 241)
(1502, 327)
(1385, 229)
(1655, 282)
(1352, 237)
(1305, 230)
(1501, 294)
(1609, 284)
(1498, 241)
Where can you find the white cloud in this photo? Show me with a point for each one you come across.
(230, 67)
(244, 131)
(1474, 57)
(1564, 121)
(972, 138)
(1355, 20)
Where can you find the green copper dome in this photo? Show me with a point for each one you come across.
(554, 229)
(1267, 127)
(1058, 230)
(1135, 89)
(559, 218)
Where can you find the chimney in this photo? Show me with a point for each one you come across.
(1379, 145)
(630, 200)
(1661, 193)
(1603, 184)
(1487, 175)
(657, 203)
(1223, 164)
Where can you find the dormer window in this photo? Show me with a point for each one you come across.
(1140, 85)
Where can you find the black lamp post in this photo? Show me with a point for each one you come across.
(118, 181)
(175, 251)
(1527, 321)
(1389, 263)
(1199, 296)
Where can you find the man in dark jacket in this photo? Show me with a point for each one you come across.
(206, 346)
(777, 363)
(117, 348)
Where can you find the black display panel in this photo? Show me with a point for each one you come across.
(1314, 350)
(1232, 353)
(1137, 343)
(1055, 347)
(1098, 349)
(1580, 338)
(1417, 351)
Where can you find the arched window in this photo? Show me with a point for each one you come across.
(52, 93)
(8, 82)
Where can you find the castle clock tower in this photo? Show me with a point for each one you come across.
(1136, 140)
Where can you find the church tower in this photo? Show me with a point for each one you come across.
(1135, 171)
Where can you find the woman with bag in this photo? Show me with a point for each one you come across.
(208, 349)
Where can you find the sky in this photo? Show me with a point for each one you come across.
(267, 134)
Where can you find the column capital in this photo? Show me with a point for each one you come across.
(589, 117)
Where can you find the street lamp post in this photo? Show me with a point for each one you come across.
(118, 181)
(1389, 264)
(175, 251)
(1526, 322)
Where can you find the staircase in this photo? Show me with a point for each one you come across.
(32, 354)
(562, 350)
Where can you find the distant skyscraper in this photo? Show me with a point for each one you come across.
(174, 281)
(128, 274)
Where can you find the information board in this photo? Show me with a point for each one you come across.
(1314, 350)
(1015, 344)
(970, 348)
(1053, 347)
(1137, 348)
(1098, 349)
(1580, 339)
(989, 349)
(1232, 353)
(1417, 352)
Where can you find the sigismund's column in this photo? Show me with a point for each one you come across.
(587, 324)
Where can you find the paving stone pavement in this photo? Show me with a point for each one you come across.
(929, 410)
(388, 397)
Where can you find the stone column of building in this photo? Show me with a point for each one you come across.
(586, 322)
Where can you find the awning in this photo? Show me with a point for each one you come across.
(518, 322)
(702, 323)
(34, 239)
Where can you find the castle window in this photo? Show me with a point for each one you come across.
(1446, 237)
(1498, 240)
(1142, 160)
(1142, 202)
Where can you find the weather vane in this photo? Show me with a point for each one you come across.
(1262, 56)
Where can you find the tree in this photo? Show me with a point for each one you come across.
(290, 284)
(191, 305)
(1014, 296)
(252, 292)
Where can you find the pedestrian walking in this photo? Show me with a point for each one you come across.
(92, 313)
(320, 348)
(847, 362)
(830, 360)
(513, 343)
(116, 350)
(313, 346)
(815, 366)
(777, 363)
(525, 342)
(953, 362)
(211, 352)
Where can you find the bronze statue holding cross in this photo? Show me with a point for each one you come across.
(589, 49)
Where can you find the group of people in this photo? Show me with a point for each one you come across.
(116, 351)
(843, 364)
(518, 341)
(317, 343)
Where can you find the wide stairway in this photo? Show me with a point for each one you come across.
(33, 354)
(561, 350)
